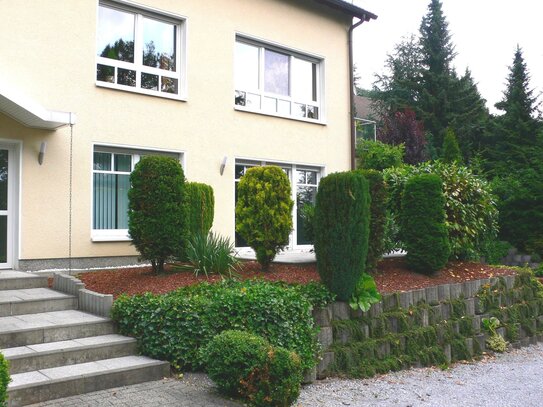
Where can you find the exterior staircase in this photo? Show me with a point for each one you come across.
(56, 350)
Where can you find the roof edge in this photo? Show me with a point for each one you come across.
(348, 8)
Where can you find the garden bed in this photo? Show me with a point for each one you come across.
(391, 276)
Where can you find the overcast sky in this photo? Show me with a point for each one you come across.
(485, 34)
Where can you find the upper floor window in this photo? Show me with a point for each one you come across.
(139, 50)
(276, 81)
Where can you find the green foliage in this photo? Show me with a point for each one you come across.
(490, 325)
(423, 224)
(157, 217)
(496, 343)
(494, 250)
(378, 196)
(211, 254)
(375, 155)
(201, 207)
(176, 325)
(247, 366)
(264, 211)
(451, 151)
(471, 210)
(365, 294)
(4, 380)
(342, 217)
(307, 212)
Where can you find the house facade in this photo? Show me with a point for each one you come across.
(87, 87)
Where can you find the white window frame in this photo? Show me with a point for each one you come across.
(141, 11)
(292, 53)
(120, 235)
(293, 168)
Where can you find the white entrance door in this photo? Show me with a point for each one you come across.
(8, 203)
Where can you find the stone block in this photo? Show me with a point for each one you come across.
(310, 375)
(446, 311)
(501, 332)
(509, 281)
(470, 288)
(444, 292)
(447, 351)
(479, 306)
(435, 314)
(393, 324)
(341, 311)
(470, 306)
(481, 340)
(419, 295)
(323, 368)
(383, 349)
(358, 313)
(525, 342)
(424, 317)
(540, 322)
(484, 281)
(469, 345)
(323, 316)
(476, 322)
(390, 302)
(406, 299)
(512, 251)
(326, 336)
(376, 310)
(432, 295)
(456, 290)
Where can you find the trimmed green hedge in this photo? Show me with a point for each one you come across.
(201, 207)
(341, 225)
(4, 379)
(176, 325)
(423, 224)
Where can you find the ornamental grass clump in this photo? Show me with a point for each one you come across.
(247, 366)
(422, 224)
(157, 216)
(211, 254)
(341, 226)
(264, 211)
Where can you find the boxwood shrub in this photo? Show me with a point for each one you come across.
(247, 366)
(176, 325)
(4, 379)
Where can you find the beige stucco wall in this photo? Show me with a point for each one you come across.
(48, 53)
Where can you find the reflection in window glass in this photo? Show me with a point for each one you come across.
(149, 81)
(123, 162)
(105, 73)
(169, 85)
(115, 38)
(126, 77)
(304, 80)
(246, 66)
(276, 73)
(4, 155)
(298, 110)
(313, 112)
(240, 98)
(159, 40)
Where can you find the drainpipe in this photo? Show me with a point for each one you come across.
(351, 95)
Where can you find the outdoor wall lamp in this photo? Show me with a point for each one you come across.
(41, 154)
(223, 164)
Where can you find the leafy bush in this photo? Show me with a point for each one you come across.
(264, 211)
(451, 151)
(374, 155)
(157, 217)
(470, 206)
(211, 254)
(4, 379)
(494, 250)
(365, 293)
(201, 207)
(242, 364)
(341, 225)
(176, 325)
(495, 342)
(422, 223)
(378, 196)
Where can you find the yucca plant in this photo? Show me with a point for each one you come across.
(211, 254)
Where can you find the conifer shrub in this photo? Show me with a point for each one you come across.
(247, 366)
(377, 217)
(157, 217)
(375, 155)
(264, 211)
(201, 207)
(341, 227)
(4, 380)
(451, 151)
(422, 222)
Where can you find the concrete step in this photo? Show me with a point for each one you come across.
(14, 280)
(53, 354)
(33, 301)
(49, 384)
(30, 329)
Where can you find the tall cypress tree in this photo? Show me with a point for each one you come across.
(437, 53)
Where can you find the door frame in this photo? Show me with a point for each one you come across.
(14, 190)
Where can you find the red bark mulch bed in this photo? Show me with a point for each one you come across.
(391, 275)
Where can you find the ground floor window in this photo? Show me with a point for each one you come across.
(111, 170)
(303, 180)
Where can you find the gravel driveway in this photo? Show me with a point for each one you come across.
(514, 379)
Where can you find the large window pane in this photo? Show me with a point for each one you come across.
(3, 239)
(102, 161)
(304, 196)
(304, 81)
(4, 154)
(111, 201)
(246, 66)
(115, 34)
(276, 73)
(159, 44)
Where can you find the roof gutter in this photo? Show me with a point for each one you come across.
(351, 94)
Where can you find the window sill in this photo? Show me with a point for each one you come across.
(298, 119)
(110, 237)
(162, 95)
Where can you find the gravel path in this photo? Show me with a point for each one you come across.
(514, 379)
